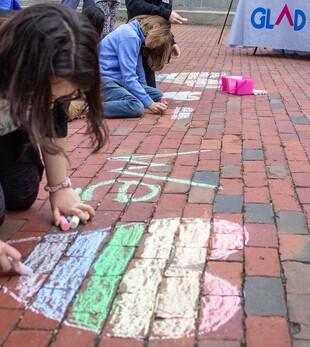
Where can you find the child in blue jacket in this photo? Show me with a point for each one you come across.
(9, 5)
(125, 91)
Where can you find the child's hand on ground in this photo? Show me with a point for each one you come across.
(68, 203)
(175, 18)
(157, 107)
(9, 258)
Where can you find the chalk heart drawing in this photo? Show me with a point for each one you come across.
(209, 80)
(142, 279)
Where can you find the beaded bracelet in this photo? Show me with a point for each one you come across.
(65, 184)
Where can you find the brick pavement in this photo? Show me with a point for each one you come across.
(201, 235)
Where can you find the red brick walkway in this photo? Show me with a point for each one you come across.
(205, 212)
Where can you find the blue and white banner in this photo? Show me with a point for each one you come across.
(280, 24)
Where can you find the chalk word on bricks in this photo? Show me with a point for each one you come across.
(260, 92)
(138, 162)
(183, 96)
(209, 80)
(182, 113)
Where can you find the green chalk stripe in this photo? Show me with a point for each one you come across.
(128, 235)
(90, 321)
(91, 307)
(113, 261)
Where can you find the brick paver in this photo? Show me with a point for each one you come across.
(201, 235)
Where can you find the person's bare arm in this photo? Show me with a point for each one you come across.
(175, 18)
(65, 201)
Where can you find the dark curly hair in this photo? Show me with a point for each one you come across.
(38, 44)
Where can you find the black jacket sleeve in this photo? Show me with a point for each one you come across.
(140, 7)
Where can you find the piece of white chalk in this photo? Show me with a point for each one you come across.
(74, 222)
(24, 269)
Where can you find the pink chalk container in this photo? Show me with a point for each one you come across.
(237, 85)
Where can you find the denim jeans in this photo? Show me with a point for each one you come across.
(75, 3)
(119, 102)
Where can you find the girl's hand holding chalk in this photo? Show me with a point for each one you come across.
(66, 202)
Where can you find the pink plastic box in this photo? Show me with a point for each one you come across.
(237, 85)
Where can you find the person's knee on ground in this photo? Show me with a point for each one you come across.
(118, 101)
(135, 108)
(123, 109)
(21, 186)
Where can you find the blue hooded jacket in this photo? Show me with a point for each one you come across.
(120, 59)
(9, 5)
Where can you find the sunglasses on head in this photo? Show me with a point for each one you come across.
(76, 95)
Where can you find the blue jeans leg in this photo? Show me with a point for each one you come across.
(75, 3)
(71, 3)
(87, 3)
(118, 102)
(154, 93)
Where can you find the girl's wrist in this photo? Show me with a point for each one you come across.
(55, 188)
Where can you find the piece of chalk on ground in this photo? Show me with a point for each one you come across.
(68, 218)
(25, 270)
(74, 222)
(64, 224)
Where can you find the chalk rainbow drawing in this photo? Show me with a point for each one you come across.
(128, 277)
(209, 80)
(136, 275)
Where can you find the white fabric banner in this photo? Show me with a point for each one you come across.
(275, 24)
